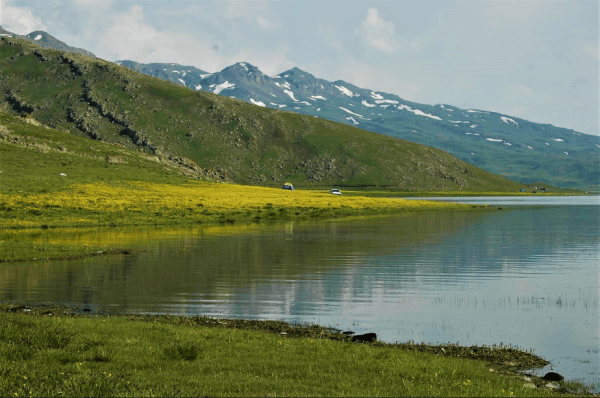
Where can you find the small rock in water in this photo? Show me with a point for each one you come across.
(553, 376)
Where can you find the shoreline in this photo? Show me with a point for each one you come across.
(507, 362)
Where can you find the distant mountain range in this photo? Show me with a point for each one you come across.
(503, 144)
(46, 40)
(513, 147)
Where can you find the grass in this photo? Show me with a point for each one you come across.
(142, 203)
(51, 179)
(398, 193)
(59, 351)
(19, 250)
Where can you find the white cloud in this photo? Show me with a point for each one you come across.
(19, 20)
(265, 23)
(377, 32)
(128, 36)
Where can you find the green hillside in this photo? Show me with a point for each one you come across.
(216, 137)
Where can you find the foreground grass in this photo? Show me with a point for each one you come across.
(54, 352)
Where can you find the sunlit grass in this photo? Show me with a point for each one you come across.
(43, 355)
(143, 203)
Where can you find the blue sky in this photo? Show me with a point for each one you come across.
(538, 60)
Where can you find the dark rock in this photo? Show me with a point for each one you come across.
(87, 310)
(553, 376)
(365, 338)
(347, 332)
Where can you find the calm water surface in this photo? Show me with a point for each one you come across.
(526, 275)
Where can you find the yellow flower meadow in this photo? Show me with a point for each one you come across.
(142, 203)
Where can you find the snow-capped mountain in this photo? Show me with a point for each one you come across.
(503, 144)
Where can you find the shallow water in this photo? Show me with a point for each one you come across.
(524, 275)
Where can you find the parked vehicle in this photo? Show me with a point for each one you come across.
(335, 191)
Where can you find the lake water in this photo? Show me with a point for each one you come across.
(526, 275)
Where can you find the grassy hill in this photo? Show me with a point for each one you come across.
(216, 137)
(515, 148)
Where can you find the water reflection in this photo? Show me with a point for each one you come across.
(526, 276)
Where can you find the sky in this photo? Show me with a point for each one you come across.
(537, 60)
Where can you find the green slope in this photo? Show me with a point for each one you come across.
(213, 136)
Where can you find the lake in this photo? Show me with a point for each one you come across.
(526, 274)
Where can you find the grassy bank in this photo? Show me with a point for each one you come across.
(399, 193)
(137, 203)
(59, 351)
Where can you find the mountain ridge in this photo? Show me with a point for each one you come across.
(228, 139)
(46, 40)
(500, 143)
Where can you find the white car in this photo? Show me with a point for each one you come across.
(335, 191)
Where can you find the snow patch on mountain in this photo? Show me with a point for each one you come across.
(291, 94)
(529, 147)
(472, 111)
(507, 143)
(384, 106)
(345, 91)
(259, 103)
(283, 86)
(243, 65)
(494, 139)
(417, 111)
(508, 120)
(38, 37)
(385, 101)
(376, 96)
(223, 86)
(350, 112)
(558, 139)
(182, 81)
(317, 97)
(352, 120)
(566, 153)
(205, 75)
(305, 102)
(365, 103)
